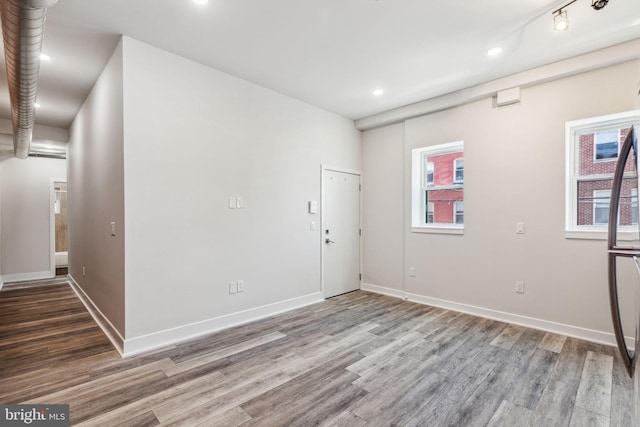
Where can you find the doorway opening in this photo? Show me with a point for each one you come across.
(60, 229)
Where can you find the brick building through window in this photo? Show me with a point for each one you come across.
(597, 159)
(445, 192)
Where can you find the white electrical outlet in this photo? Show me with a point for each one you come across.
(233, 287)
(412, 271)
(240, 286)
(520, 287)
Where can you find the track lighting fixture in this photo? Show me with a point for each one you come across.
(599, 4)
(560, 19)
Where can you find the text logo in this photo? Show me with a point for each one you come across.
(34, 415)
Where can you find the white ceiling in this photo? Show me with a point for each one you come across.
(331, 54)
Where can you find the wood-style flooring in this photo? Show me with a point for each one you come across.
(360, 359)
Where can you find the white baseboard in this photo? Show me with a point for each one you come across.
(24, 277)
(599, 337)
(107, 327)
(131, 346)
(182, 333)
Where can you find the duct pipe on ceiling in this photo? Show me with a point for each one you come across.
(22, 30)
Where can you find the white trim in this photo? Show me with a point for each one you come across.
(131, 346)
(599, 337)
(439, 229)
(418, 188)
(572, 130)
(107, 327)
(186, 332)
(323, 170)
(343, 170)
(396, 293)
(600, 233)
(23, 277)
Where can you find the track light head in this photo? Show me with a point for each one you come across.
(560, 21)
(599, 4)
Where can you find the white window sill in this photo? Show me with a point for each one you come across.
(439, 229)
(601, 234)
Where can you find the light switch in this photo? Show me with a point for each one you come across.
(113, 228)
(313, 207)
(232, 202)
(239, 202)
(312, 226)
(520, 228)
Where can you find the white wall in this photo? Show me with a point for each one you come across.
(25, 221)
(514, 172)
(96, 195)
(194, 137)
(382, 199)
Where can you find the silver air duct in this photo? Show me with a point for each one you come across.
(22, 30)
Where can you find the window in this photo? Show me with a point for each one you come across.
(430, 207)
(592, 148)
(606, 145)
(437, 190)
(458, 170)
(601, 203)
(430, 170)
(634, 206)
(458, 211)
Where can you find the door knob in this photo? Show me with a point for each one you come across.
(327, 241)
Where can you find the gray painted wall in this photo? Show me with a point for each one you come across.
(159, 147)
(194, 137)
(25, 220)
(96, 195)
(514, 172)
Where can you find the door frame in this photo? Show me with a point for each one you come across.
(52, 224)
(323, 169)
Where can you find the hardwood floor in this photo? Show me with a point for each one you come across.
(355, 360)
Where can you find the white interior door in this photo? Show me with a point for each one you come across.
(341, 232)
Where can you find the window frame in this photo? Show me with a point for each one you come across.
(595, 207)
(433, 174)
(455, 171)
(573, 130)
(431, 211)
(419, 188)
(595, 150)
(455, 211)
(634, 206)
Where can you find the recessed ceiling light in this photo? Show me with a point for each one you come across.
(45, 57)
(494, 51)
(377, 92)
(200, 1)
